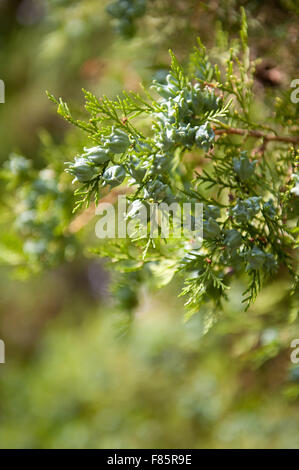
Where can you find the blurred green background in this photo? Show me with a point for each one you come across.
(88, 366)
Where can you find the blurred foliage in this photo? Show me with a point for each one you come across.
(103, 382)
(90, 364)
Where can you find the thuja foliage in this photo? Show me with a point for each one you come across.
(193, 138)
(42, 205)
(125, 13)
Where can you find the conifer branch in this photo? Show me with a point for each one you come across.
(258, 134)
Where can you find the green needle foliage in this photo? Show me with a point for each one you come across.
(193, 138)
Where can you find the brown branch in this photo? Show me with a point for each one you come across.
(258, 134)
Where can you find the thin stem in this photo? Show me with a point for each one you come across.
(258, 134)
